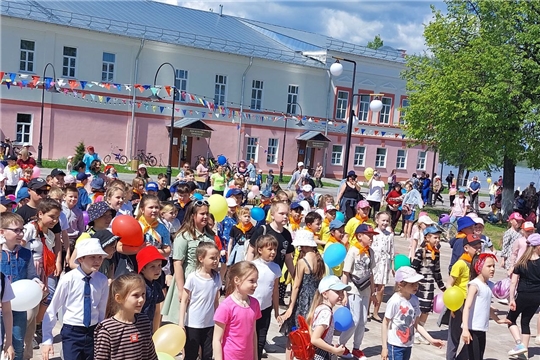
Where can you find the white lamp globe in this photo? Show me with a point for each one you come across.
(336, 69)
(376, 105)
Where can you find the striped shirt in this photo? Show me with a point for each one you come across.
(121, 341)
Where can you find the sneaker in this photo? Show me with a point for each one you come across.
(264, 354)
(359, 354)
(518, 350)
(347, 354)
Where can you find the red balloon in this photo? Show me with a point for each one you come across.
(128, 229)
(482, 205)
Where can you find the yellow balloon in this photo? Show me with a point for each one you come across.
(368, 173)
(164, 356)
(169, 339)
(218, 207)
(453, 298)
(488, 180)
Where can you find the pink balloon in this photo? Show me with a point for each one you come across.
(501, 290)
(86, 218)
(255, 190)
(438, 304)
(36, 172)
(209, 190)
(251, 195)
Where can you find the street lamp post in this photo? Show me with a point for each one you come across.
(53, 90)
(299, 123)
(157, 98)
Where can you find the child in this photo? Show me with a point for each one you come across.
(235, 333)
(125, 333)
(239, 237)
(362, 211)
(417, 238)
(509, 237)
(461, 206)
(150, 262)
(225, 226)
(74, 217)
(329, 216)
(358, 273)
(69, 165)
(427, 263)
(151, 188)
(108, 243)
(200, 300)
(183, 197)
(383, 249)
(84, 199)
(81, 298)
(13, 174)
(154, 232)
(23, 197)
(259, 179)
(266, 203)
(98, 189)
(494, 216)
(477, 309)
(313, 221)
(25, 179)
(295, 217)
(309, 271)
(163, 193)
(337, 235)
(269, 179)
(401, 318)
(138, 191)
(114, 196)
(267, 292)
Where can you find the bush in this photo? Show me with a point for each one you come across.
(80, 149)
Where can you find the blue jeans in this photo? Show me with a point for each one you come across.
(399, 353)
(19, 330)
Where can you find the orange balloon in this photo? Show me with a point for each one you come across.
(128, 229)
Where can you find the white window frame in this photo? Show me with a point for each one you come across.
(380, 158)
(220, 90)
(26, 128)
(404, 105)
(384, 114)
(69, 70)
(257, 87)
(359, 156)
(342, 104)
(25, 63)
(401, 159)
(292, 99)
(337, 155)
(272, 151)
(422, 159)
(181, 84)
(252, 148)
(108, 67)
(363, 108)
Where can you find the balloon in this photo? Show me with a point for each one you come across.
(255, 189)
(27, 293)
(221, 160)
(482, 205)
(218, 207)
(401, 260)
(444, 219)
(128, 229)
(340, 216)
(209, 190)
(343, 319)
(85, 217)
(164, 356)
(251, 195)
(453, 298)
(438, 304)
(334, 254)
(198, 196)
(36, 172)
(368, 173)
(488, 180)
(169, 339)
(501, 289)
(257, 214)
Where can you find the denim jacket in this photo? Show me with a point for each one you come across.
(18, 264)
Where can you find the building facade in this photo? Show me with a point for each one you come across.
(244, 89)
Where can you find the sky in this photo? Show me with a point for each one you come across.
(399, 23)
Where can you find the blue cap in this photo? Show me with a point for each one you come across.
(296, 205)
(464, 222)
(6, 201)
(22, 194)
(234, 191)
(152, 186)
(365, 229)
(336, 224)
(267, 193)
(97, 183)
(82, 176)
(432, 230)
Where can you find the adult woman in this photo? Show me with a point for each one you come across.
(25, 160)
(376, 192)
(182, 174)
(318, 175)
(392, 180)
(411, 201)
(349, 195)
(202, 173)
(142, 172)
(394, 199)
(242, 169)
(437, 189)
(217, 181)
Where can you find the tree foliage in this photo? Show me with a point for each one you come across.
(376, 43)
(80, 149)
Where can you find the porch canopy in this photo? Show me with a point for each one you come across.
(193, 127)
(314, 139)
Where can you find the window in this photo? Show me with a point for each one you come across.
(107, 69)
(384, 116)
(180, 84)
(70, 60)
(363, 110)
(219, 93)
(404, 105)
(24, 127)
(401, 162)
(337, 151)
(271, 153)
(359, 155)
(252, 146)
(256, 94)
(421, 164)
(27, 56)
(380, 158)
(341, 106)
(292, 99)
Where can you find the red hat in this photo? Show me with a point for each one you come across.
(147, 255)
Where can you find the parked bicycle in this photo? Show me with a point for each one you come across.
(146, 158)
(116, 156)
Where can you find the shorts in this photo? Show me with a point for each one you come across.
(410, 217)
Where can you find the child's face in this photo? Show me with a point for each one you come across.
(267, 253)
(338, 233)
(516, 224)
(201, 217)
(488, 270)
(168, 215)
(104, 221)
(151, 209)
(281, 214)
(363, 212)
(433, 239)
(13, 233)
(478, 229)
(28, 175)
(296, 214)
(330, 215)
(58, 181)
(248, 284)
(162, 182)
(315, 225)
(238, 198)
(333, 296)
(134, 300)
(90, 263)
(152, 270)
(71, 199)
(410, 288)
(210, 260)
(110, 250)
(140, 186)
(50, 218)
(473, 250)
(383, 221)
(232, 210)
(116, 199)
(183, 197)
(245, 219)
(365, 239)
(190, 177)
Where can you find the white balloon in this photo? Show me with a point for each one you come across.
(27, 293)
(251, 195)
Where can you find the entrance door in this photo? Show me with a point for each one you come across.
(181, 148)
(310, 156)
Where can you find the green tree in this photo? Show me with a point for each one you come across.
(80, 149)
(376, 43)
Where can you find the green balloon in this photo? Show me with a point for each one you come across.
(401, 260)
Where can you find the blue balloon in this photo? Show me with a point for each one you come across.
(221, 160)
(334, 255)
(340, 216)
(198, 196)
(343, 319)
(258, 214)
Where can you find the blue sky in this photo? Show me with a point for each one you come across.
(400, 23)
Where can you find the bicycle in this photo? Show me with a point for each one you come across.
(146, 158)
(122, 159)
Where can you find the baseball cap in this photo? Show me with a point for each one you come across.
(534, 240)
(12, 157)
(266, 193)
(300, 164)
(330, 208)
(336, 224)
(365, 229)
(142, 166)
(233, 191)
(515, 216)
(407, 274)
(231, 202)
(351, 173)
(478, 220)
(69, 179)
(82, 176)
(464, 222)
(332, 282)
(97, 183)
(22, 194)
(152, 186)
(472, 240)
(57, 172)
(527, 226)
(37, 183)
(362, 204)
(4, 200)
(307, 188)
(296, 205)
(425, 219)
(432, 230)
(105, 237)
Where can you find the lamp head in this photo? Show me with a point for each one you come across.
(376, 105)
(336, 69)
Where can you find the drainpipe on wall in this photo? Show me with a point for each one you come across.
(325, 157)
(242, 110)
(132, 125)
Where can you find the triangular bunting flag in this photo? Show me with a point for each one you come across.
(161, 108)
(83, 84)
(168, 90)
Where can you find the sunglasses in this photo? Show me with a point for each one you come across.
(17, 231)
(201, 203)
(42, 192)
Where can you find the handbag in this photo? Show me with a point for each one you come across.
(361, 283)
(49, 259)
(406, 209)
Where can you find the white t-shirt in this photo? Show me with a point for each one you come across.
(8, 296)
(376, 191)
(479, 314)
(268, 273)
(358, 265)
(402, 314)
(200, 311)
(33, 241)
(125, 209)
(323, 316)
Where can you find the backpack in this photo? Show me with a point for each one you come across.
(300, 339)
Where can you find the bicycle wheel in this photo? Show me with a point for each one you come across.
(107, 159)
(449, 231)
(123, 159)
(151, 160)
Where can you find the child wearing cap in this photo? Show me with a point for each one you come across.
(417, 238)
(266, 202)
(295, 217)
(465, 227)
(84, 199)
(22, 198)
(509, 237)
(239, 237)
(401, 318)
(269, 179)
(329, 216)
(81, 295)
(487, 244)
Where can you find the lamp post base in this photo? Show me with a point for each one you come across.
(169, 174)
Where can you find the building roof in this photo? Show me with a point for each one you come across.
(312, 135)
(194, 28)
(192, 123)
